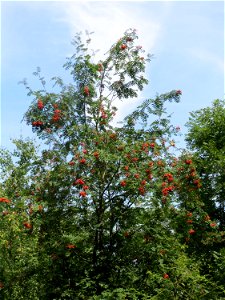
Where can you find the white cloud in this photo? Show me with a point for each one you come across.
(109, 20)
(208, 57)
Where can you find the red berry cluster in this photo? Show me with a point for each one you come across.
(96, 154)
(57, 115)
(71, 246)
(169, 177)
(100, 67)
(178, 92)
(86, 91)
(103, 113)
(82, 161)
(123, 183)
(81, 182)
(5, 200)
(166, 190)
(40, 104)
(37, 123)
(123, 46)
(141, 190)
(27, 225)
(166, 276)
(188, 161)
(189, 221)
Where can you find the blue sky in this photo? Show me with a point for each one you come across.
(185, 37)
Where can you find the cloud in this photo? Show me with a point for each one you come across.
(208, 58)
(109, 20)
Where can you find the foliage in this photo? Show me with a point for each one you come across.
(102, 212)
(206, 137)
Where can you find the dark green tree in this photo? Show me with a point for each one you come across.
(206, 137)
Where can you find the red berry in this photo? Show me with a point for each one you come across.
(152, 145)
(123, 183)
(189, 221)
(141, 190)
(70, 246)
(100, 67)
(40, 207)
(82, 161)
(27, 225)
(5, 200)
(79, 181)
(178, 92)
(83, 194)
(188, 161)
(123, 46)
(86, 91)
(96, 154)
(166, 276)
(55, 118)
(191, 231)
(40, 104)
(189, 214)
